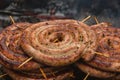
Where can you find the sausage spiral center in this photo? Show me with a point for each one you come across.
(56, 43)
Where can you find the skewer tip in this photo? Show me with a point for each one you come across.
(85, 19)
(43, 73)
(1, 76)
(86, 76)
(12, 20)
(25, 62)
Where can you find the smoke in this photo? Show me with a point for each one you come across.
(104, 10)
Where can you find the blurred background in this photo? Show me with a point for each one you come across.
(41, 10)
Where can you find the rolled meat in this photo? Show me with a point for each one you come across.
(94, 72)
(108, 44)
(64, 74)
(58, 42)
(11, 55)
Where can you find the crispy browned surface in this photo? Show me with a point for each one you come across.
(101, 25)
(39, 41)
(11, 55)
(94, 72)
(104, 29)
(48, 71)
(18, 76)
(60, 43)
(108, 44)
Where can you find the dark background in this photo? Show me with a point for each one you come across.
(40, 10)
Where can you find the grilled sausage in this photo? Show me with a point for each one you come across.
(108, 44)
(93, 71)
(62, 75)
(57, 42)
(11, 55)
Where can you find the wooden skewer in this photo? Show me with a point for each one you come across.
(72, 75)
(25, 62)
(96, 19)
(86, 48)
(53, 74)
(43, 73)
(86, 76)
(55, 40)
(31, 58)
(3, 75)
(13, 21)
(86, 19)
(98, 53)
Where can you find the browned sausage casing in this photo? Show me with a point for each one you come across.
(60, 75)
(94, 72)
(11, 55)
(57, 42)
(108, 44)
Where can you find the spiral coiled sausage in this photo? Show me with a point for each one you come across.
(58, 42)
